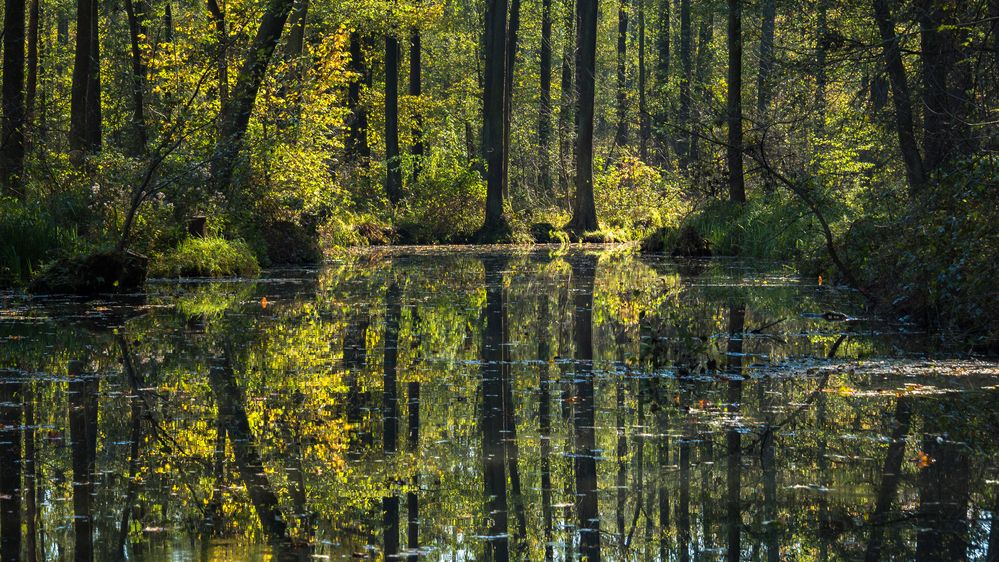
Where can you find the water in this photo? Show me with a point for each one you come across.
(491, 405)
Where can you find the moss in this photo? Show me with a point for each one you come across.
(207, 257)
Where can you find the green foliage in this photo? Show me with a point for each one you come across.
(30, 236)
(443, 206)
(634, 199)
(207, 257)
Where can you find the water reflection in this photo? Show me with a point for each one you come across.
(488, 406)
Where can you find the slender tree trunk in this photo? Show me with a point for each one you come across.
(221, 54)
(12, 143)
(585, 212)
(705, 35)
(621, 138)
(763, 85)
(821, 78)
(296, 29)
(644, 127)
(135, 32)
(493, 95)
(736, 177)
(584, 420)
(900, 95)
(168, 23)
(357, 121)
(85, 103)
(415, 91)
(687, 69)
(511, 60)
(890, 476)
(939, 56)
(83, 411)
(235, 116)
(545, 104)
(661, 125)
(567, 105)
(393, 177)
(31, 85)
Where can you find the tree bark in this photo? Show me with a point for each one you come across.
(511, 60)
(357, 121)
(135, 32)
(31, 85)
(393, 177)
(85, 103)
(660, 127)
(236, 114)
(567, 104)
(415, 91)
(705, 35)
(644, 128)
(221, 55)
(736, 177)
(493, 95)
(687, 69)
(821, 78)
(621, 138)
(545, 100)
(767, 30)
(939, 56)
(585, 212)
(900, 95)
(12, 143)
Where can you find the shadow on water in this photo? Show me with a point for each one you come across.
(490, 405)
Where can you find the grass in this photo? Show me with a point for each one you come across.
(207, 257)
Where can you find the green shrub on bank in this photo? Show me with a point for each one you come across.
(29, 237)
(444, 206)
(207, 257)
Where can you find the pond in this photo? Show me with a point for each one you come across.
(497, 405)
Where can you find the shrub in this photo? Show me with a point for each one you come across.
(30, 236)
(444, 206)
(207, 257)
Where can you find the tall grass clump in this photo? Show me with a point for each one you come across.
(29, 237)
(207, 257)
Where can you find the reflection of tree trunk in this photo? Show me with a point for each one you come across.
(230, 401)
(769, 466)
(544, 423)
(390, 414)
(683, 518)
(736, 326)
(212, 524)
(30, 469)
(354, 358)
(494, 473)
(993, 549)
(662, 461)
(412, 500)
(585, 462)
(135, 402)
(510, 447)
(622, 454)
(10, 470)
(83, 431)
(944, 490)
(707, 502)
(890, 477)
(823, 465)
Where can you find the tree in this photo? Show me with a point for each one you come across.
(767, 30)
(736, 179)
(545, 98)
(511, 58)
(415, 91)
(357, 119)
(687, 69)
(393, 178)
(136, 30)
(900, 95)
(660, 126)
(12, 145)
(621, 138)
(235, 115)
(644, 127)
(493, 147)
(584, 217)
(85, 103)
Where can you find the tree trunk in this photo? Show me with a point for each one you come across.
(357, 121)
(85, 103)
(221, 55)
(31, 85)
(236, 114)
(135, 32)
(585, 212)
(494, 148)
(584, 420)
(736, 178)
(705, 35)
(296, 29)
(567, 105)
(415, 91)
(687, 69)
(763, 86)
(511, 60)
(393, 177)
(545, 102)
(939, 56)
(900, 95)
(660, 126)
(621, 138)
(12, 143)
(821, 78)
(644, 128)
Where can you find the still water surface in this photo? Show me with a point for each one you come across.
(490, 405)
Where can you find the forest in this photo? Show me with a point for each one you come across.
(851, 140)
